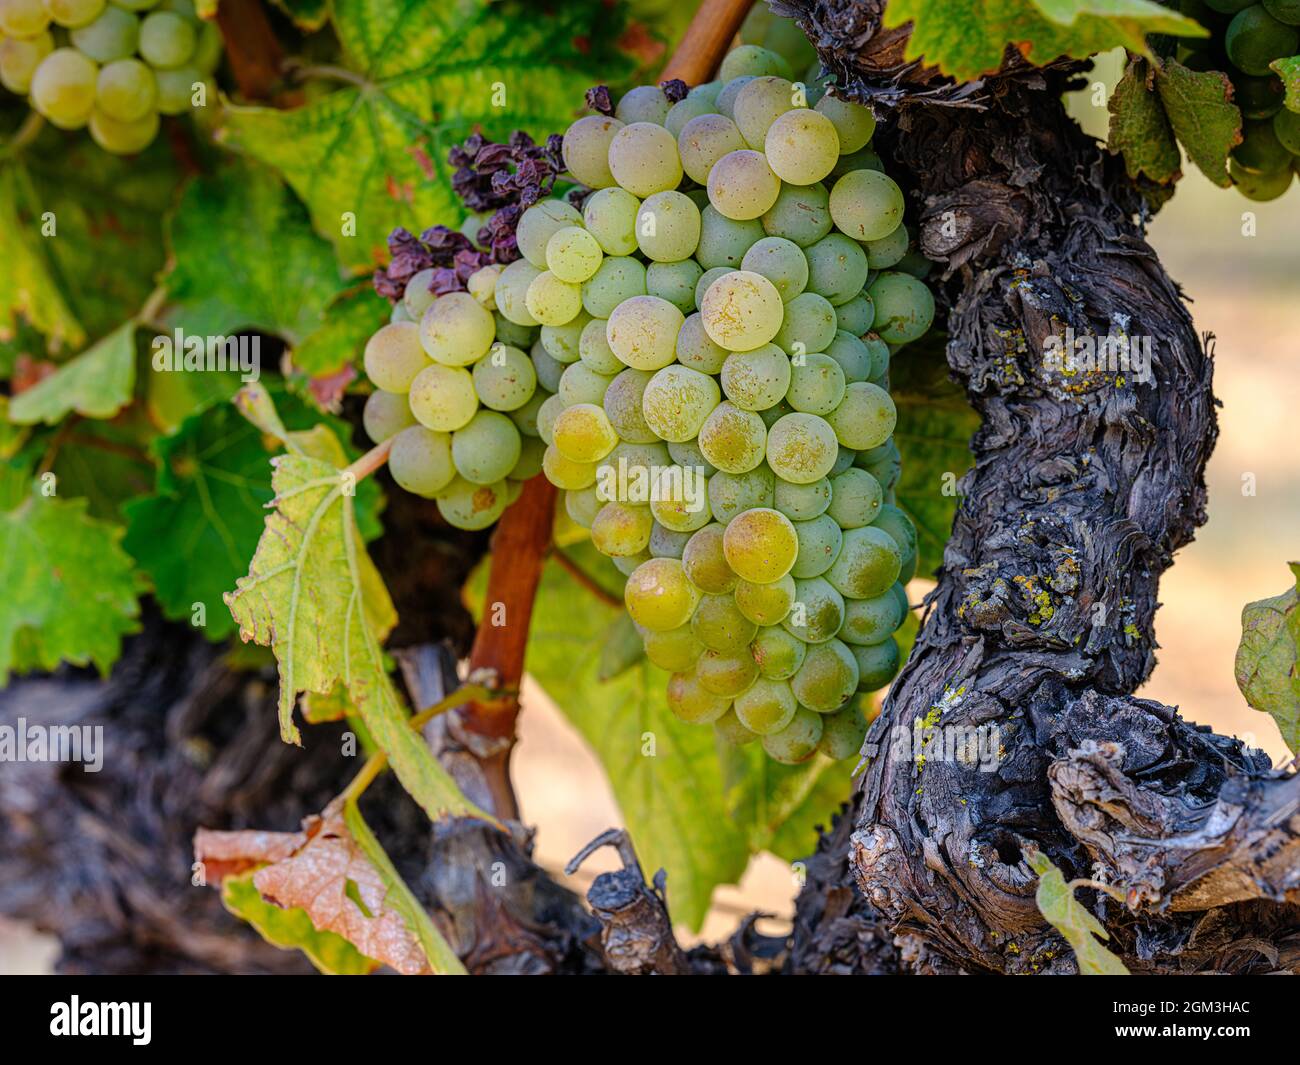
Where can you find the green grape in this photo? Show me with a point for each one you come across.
(687, 453)
(442, 397)
(1260, 150)
(572, 254)
(696, 349)
(726, 101)
(674, 282)
(645, 103)
(421, 461)
(552, 301)
(871, 621)
(867, 205)
(888, 250)
(703, 141)
(642, 331)
(677, 400)
(758, 104)
(1258, 97)
(1260, 187)
(672, 507)
(803, 502)
(643, 159)
(622, 404)
(23, 18)
(779, 653)
(668, 227)
(581, 384)
(707, 91)
(681, 113)
(691, 702)
(780, 35)
(883, 463)
(621, 529)
(843, 732)
(113, 35)
(659, 595)
(817, 612)
(166, 39)
(765, 604)
(676, 650)
(801, 448)
(837, 268)
(418, 295)
(754, 61)
(525, 417)
(733, 439)
(472, 506)
(856, 316)
(19, 58)
(828, 677)
(399, 313)
(816, 384)
(508, 332)
(782, 262)
(723, 240)
(486, 448)
(726, 674)
(586, 150)
(877, 664)
(636, 461)
(761, 545)
(512, 290)
(705, 282)
(843, 461)
(705, 563)
(865, 417)
(550, 409)
(547, 367)
(63, 88)
(1255, 38)
(582, 505)
(70, 13)
(610, 217)
(756, 380)
(742, 186)
(565, 473)
(506, 379)
(668, 543)
(728, 726)
(627, 565)
(856, 497)
(1286, 127)
(455, 330)
(583, 433)
(809, 325)
(798, 741)
(819, 544)
(532, 452)
(620, 278)
(854, 124)
(899, 526)
(564, 342)
(594, 349)
(904, 307)
(536, 227)
(767, 707)
(731, 494)
(868, 563)
(854, 358)
(385, 414)
(135, 5)
(1287, 11)
(742, 311)
(801, 214)
(802, 147)
(879, 352)
(393, 357)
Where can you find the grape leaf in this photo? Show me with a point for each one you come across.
(313, 595)
(243, 256)
(1140, 129)
(373, 154)
(1266, 666)
(341, 338)
(1084, 933)
(308, 15)
(935, 424)
(106, 463)
(1202, 114)
(1289, 71)
(70, 591)
(27, 287)
(96, 384)
(967, 38)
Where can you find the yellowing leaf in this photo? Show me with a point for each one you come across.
(1203, 116)
(1289, 71)
(1084, 933)
(96, 384)
(1267, 668)
(1139, 127)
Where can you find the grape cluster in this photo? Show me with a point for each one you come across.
(696, 351)
(111, 65)
(1246, 36)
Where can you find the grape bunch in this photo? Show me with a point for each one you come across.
(695, 348)
(1246, 36)
(111, 66)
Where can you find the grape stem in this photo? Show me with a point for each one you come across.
(371, 460)
(584, 578)
(26, 133)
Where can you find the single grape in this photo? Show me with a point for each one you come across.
(705, 281)
(668, 227)
(525, 417)
(536, 227)
(123, 138)
(705, 563)
(519, 336)
(643, 159)
(877, 664)
(23, 18)
(421, 461)
(610, 217)
(761, 545)
(586, 150)
(642, 331)
(798, 741)
(837, 268)
(583, 433)
(819, 544)
(550, 409)
(778, 653)
(622, 404)
(856, 316)
(512, 290)
(691, 702)
(677, 400)
(801, 448)
(455, 330)
(800, 214)
(868, 563)
(854, 124)
(417, 297)
(767, 707)
(706, 91)
(63, 88)
(726, 101)
(802, 147)
(888, 250)
(803, 502)
(552, 301)
(854, 356)
(703, 141)
(547, 367)
(883, 463)
(486, 448)
(687, 453)
(828, 677)
(900, 528)
(742, 186)
(681, 113)
(817, 612)
(565, 473)
(733, 439)
(644, 103)
(621, 529)
(70, 13)
(1254, 39)
(723, 240)
(676, 650)
(659, 595)
(627, 564)
(564, 342)
(166, 39)
(742, 311)
(856, 497)
(19, 58)
(867, 205)
(679, 499)
(752, 60)
(572, 254)
(473, 506)
(696, 349)
(581, 384)
(758, 104)
(393, 356)
(1260, 150)
(674, 282)
(532, 454)
(816, 384)
(594, 349)
(782, 262)
(728, 727)
(843, 732)
(668, 543)
(872, 621)
(865, 417)
(442, 397)
(731, 494)
(385, 414)
(726, 674)
(505, 380)
(1260, 187)
(756, 380)
(582, 505)
(620, 278)
(113, 35)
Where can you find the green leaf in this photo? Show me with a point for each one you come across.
(1084, 933)
(313, 595)
(341, 338)
(374, 153)
(106, 463)
(291, 929)
(1266, 665)
(27, 286)
(243, 256)
(308, 15)
(1203, 116)
(1289, 71)
(621, 649)
(96, 384)
(935, 425)
(442, 959)
(1140, 129)
(967, 38)
(70, 591)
